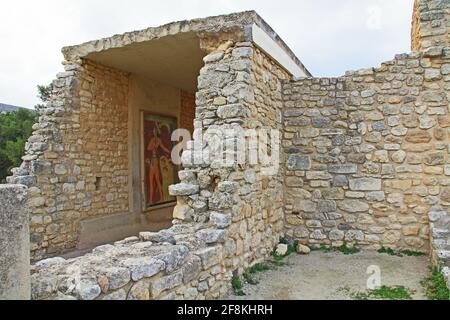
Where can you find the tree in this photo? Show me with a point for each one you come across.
(15, 128)
(44, 93)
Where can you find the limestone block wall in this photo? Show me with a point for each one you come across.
(231, 96)
(367, 153)
(430, 26)
(76, 160)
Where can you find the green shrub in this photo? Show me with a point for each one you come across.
(237, 286)
(400, 253)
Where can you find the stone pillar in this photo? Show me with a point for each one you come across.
(429, 24)
(14, 243)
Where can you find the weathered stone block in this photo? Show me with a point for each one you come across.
(210, 256)
(212, 235)
(342, 168)
(231, 111)
(318, 175)
(220, 220)
(354, 235)
(353, 206)
(418, 136)
(183, 189)
(365, 184)
(191, 269)
(326, 206)
(143, 267)
(157, 286)
(298, 162)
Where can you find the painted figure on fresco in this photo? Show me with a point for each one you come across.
(160, 171)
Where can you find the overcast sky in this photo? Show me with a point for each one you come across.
(328, 36)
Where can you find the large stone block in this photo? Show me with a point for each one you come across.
(418, 136)
(343, 168)
(210, 256)
(353, 206)
(231, 111)
(365, 184)
(298, 162)
(157, 286)
(183, 189)
(143, 267)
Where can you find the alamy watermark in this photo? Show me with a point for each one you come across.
(374, 279)
(228, 147)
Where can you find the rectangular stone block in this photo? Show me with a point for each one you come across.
(210, 256)
(342, 168)
(365, 184)
(165, 283)
(298, 162)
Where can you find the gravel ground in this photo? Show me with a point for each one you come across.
(335, 276)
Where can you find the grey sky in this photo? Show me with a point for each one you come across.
(329, 36)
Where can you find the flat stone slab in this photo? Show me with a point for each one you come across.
(335, 276)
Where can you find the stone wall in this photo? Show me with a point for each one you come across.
(364, 157)
(367, 153)
(227, 217)
(76, 161)
(430, 26)
(14, 243)
(231, 96)
(150, 266)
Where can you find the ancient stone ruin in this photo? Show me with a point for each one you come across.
(361, 159)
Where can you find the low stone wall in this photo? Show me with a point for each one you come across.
(14, 243)
(440, 240)
(183, 262)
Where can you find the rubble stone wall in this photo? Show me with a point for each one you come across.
(227, 217)
(76, 161)
(367, 153)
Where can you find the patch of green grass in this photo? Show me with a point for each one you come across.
(436, 286)
(349, 250)
(237, 286)
(257, 268)
(277, 263)
(343, 249)
(410, 253)
(400, 253)
(249, 278)
(386, 293)
(388, 251)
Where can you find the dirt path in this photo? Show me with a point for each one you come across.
(335, 276)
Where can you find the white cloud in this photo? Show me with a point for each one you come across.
(329, 36)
